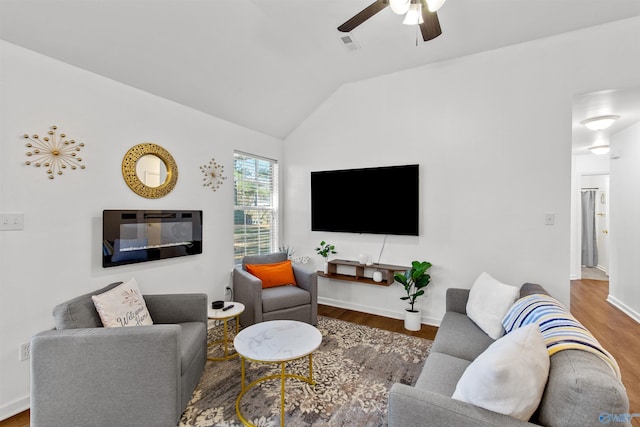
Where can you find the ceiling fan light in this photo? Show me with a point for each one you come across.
(600, 122)
(599, 149)
(434, 5)
(399, 7)
(414, 15)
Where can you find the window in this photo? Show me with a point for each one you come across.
(255, 217)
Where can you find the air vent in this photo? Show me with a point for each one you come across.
(349, 42)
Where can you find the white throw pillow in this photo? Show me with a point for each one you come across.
(509, 377)
(122, 306)
(489, 300)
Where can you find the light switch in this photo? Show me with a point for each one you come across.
(549, 219)
(11, 221)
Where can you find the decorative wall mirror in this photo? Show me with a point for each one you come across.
(149, 170)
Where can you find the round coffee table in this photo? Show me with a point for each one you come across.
(225, 316)
(276, 341)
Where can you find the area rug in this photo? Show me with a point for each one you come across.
(354, 368)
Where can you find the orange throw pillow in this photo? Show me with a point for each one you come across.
(272, 275)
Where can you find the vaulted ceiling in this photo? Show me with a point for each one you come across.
(267, 64)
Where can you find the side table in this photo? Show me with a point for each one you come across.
(275, 341)
(225, 316)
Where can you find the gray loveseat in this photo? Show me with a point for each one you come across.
(83, 374)
(581, 387)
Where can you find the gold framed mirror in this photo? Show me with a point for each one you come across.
(149, 170)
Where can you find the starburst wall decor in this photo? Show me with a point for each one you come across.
(54, 152)
(213, 174)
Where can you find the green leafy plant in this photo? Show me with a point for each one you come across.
(325, 249)
(414, 281)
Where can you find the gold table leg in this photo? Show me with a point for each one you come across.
(225, 340)
(282, 396)
(282, 376)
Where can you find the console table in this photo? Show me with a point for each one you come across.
(387, 271)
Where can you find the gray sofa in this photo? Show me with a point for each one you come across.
(83, 374)
(581, 387)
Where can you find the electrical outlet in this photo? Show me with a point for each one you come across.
(11, 221)
(25, 351)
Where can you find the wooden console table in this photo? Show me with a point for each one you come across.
(387, 271)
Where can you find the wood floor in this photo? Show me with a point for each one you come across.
(616, 331)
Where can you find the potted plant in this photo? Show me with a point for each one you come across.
(324, 250)
(414, 281)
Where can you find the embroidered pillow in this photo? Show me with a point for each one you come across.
(122, 306)
(272, 275)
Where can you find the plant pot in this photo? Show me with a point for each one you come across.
(412, 320)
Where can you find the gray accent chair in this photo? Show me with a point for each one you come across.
(280, 303)
(580, 389)
(83, 374)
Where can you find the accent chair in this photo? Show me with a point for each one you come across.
(299, 302)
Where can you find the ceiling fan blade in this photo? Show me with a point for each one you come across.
(430, 28)
(365, 14)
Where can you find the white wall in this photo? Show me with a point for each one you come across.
(492, 135)
(624, 281)
(57, 255)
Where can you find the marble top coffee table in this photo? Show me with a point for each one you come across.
(276, 341)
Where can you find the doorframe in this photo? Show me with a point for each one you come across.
(576, 222)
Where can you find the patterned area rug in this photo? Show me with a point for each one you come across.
(354, 368)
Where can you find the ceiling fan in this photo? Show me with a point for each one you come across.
(417, 12)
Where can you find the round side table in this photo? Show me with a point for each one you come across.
(226, 315)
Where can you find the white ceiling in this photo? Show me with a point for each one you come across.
(267, 64)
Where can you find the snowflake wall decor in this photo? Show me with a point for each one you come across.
(54, 152)
(213, 175)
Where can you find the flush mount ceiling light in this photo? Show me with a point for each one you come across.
(599, 149)
(600, 122)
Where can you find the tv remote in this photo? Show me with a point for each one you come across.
(227, 307)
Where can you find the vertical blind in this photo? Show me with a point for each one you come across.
(255, 183)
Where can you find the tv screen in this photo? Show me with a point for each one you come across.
(382, 200)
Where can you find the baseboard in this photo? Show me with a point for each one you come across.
(375, 310)
(15, 407)
(624, 308)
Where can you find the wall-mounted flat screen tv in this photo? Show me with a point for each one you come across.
(130, 236)
(381, 200)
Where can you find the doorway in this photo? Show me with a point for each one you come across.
(594, 192)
